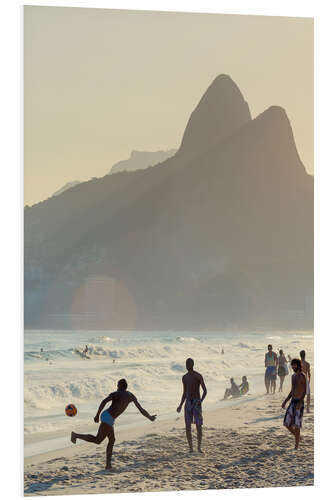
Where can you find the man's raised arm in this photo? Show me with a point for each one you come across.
(142, 410)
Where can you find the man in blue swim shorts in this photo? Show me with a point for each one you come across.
(192, 381)
(120, 400)
(271, 361)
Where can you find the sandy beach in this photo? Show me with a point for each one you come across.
(245, 446)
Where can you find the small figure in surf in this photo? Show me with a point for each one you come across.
(294, 414)
(85, 350)
(244, 387)
(233, 391)
(307, 373)
(282, 368)
(222, 351)
(121, 398)
(192, 381)
(270, 372)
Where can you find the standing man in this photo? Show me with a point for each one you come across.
(191, 393)
(307, 373)
(270, 373)
(294, 413)
(120, 400)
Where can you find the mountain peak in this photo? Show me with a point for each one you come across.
(220, 112)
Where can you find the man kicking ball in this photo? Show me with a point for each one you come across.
(120, 400)
(192, 381)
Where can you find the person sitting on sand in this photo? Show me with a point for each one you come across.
(294, 414)
(244, 387)
(121, 398)
(192, 381)
(282, 368)
(307, 373)
(233, 391)
(270, 372)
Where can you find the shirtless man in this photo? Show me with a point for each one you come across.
(191, 393)
(307, 373)
(294, 413)
(270, 372)
(120, 400)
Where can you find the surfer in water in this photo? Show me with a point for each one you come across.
(121, 398)
(192, 381)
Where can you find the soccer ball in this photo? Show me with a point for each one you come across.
(70, 410)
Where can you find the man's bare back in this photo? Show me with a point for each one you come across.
(120, 401)
(192, 382)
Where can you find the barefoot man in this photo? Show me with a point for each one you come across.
(120, 400)
(307, 373)
(270, 372)
(294, 413)
(191, 393)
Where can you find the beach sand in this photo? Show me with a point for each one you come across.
(245, 446)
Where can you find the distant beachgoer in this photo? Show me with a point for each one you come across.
(113, 361)
(294, 414)
(85, 350)
(270, 373)
(244, 387)
(41, 350)
(233, 391)
(222, 351)
(120, 400)
(192, 381)
(282, 368)
(307, 373)
(289, 358)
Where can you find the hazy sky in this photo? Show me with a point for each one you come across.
(99, 83)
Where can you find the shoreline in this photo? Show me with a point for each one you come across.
(244, 445)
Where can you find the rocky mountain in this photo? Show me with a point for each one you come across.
(68, 185)
(141, 159)
(219, 236)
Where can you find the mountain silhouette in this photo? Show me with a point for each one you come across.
(220, 235)
(141, 159)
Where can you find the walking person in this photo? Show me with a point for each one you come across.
(307, 373)
(282, 368)
(121, 398)
(192, 381)
(294, 414)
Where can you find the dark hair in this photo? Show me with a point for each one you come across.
(280, 352)
(269, 345)
(302, 354)
(189, 363)
(122, 384)
(297, 362)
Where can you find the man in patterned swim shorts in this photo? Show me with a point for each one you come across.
(191, 393)
(294, 414)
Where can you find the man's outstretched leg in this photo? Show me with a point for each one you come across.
(189, 436)
(109, 448)
(199, 437)
(103, 431)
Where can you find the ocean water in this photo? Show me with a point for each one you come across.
(152, 363)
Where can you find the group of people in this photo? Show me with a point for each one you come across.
(192, 381)
(235, 391)
(278, 365)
